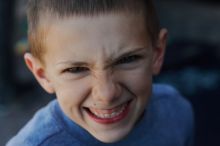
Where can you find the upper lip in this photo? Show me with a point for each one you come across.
(109, 108)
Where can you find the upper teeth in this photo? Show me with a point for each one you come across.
(110, 115)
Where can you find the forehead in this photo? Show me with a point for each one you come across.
(108, 33)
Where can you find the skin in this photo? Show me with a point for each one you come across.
(99, 63)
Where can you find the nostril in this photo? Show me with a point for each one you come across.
(105, 88)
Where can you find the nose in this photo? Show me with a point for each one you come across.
(105, 89)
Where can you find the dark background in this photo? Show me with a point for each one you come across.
(192, 65)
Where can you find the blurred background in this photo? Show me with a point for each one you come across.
(192, 65)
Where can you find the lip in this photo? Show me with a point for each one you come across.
(112, 120)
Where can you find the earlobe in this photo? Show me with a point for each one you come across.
(159, 51)
(38, 70)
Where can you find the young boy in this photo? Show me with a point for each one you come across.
(98, 57)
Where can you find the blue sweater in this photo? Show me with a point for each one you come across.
(167, 121)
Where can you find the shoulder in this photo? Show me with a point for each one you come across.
(41, 127)
(170, 110)
(171, 106)
(167, 95)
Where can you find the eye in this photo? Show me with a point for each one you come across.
(128, 59)
(76, 70)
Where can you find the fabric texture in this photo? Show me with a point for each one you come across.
(168, 121)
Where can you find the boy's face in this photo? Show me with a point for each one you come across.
(101, 70)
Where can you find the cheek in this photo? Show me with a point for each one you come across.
(142, 86)
(71, 94)
(139, 81)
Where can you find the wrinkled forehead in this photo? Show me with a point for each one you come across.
(111, 32)
(130, 22)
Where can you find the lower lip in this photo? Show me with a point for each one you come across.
(110, 120)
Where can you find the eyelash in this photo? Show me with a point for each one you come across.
(128, 59)
(76, 70)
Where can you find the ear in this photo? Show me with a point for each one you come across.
(38, 70)
(159, 51)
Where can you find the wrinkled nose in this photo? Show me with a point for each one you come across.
(105, 89)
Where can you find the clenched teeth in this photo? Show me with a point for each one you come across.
(109, 115)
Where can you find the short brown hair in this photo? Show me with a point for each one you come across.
(68, 8)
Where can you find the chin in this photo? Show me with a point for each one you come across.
(113, 136)
(110, 139)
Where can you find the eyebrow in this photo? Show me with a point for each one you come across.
(109, 62)
(73, 63)
(128, 53)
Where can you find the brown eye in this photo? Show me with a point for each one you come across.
(76, 70)
(128, 59)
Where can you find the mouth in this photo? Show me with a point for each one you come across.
(109, 116)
